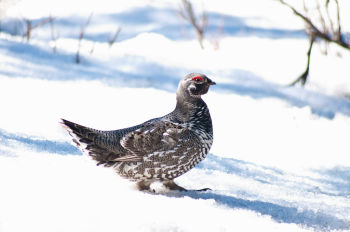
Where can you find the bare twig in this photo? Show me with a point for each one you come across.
(303, 77)
(53, 35)
(81, 36)
(92, 47)
(326, 33)
(325, 26)
(30, 27)
(318, 32)
(112, 40)
(218, 35)
(199, 24)
(321, 18)
(329, 18)
(339, 33)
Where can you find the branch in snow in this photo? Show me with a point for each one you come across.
(330, 30)
(199, 24)
(303, 77)
(112, 40)
(30, 26)
(325, 33)
(81, 36)
(53, 35)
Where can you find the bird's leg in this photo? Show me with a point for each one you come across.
(170, 184)
(143, 185)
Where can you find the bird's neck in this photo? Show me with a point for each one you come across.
(186, 108)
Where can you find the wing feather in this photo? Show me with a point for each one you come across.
(154, 137)
(130, 144)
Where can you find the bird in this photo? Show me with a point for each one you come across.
(160, 149)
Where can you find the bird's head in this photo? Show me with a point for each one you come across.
(194, 85)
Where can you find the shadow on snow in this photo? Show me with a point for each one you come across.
(164, 21)
(316, 220)
(283, 214)
(47, 65)
(337, 178)
(320, 104)
(44, 64)
(36, 144)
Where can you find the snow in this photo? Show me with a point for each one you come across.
(279, 161)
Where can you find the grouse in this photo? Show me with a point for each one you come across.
(159, 149)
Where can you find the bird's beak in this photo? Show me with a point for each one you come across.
(211, 82)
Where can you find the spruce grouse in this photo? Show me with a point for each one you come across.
(160, 149)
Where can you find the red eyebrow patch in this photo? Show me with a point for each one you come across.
(197, 78)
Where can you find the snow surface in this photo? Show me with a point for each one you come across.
(280, 158)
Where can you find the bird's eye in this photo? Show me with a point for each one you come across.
(197, 79)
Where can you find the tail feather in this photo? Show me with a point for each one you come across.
(95, 143)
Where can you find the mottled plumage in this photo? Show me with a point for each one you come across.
(160, 149)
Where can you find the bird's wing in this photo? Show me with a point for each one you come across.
(154, 137)
(102, 146)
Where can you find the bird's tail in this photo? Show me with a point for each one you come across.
(81, 135)
(89, 141)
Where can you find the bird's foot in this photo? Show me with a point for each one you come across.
(143, 185)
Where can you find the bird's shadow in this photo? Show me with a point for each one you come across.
(282, 214)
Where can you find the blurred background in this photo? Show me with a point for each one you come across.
(269, 39)
(280, 109)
